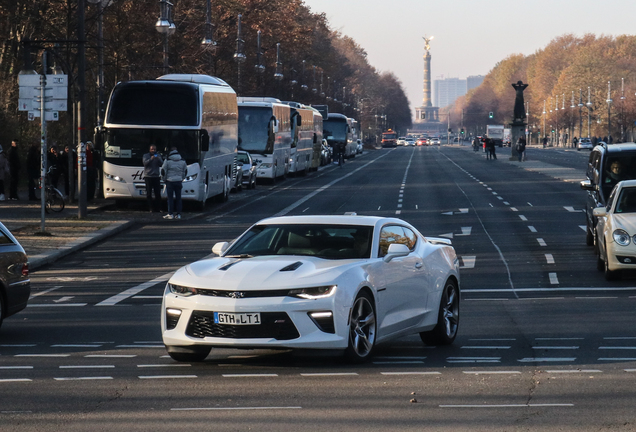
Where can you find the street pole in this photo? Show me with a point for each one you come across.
(42, 143)
(589, 116)
(81, 81)
(609, 111)
(544, 134)
(580, 113)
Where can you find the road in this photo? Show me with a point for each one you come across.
(545, 343)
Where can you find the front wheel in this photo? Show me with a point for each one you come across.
(445, 331)
(610, 275)
(362, 329)
(54, 200)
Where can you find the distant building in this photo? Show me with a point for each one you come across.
(474, 81)
(448, 90)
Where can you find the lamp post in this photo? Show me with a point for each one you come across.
(544, 134)
(589, 110)
(528, 117)
(609, 111)
(278, 75)
(581, 114)
(166, 27)
(622, 109)
(208, 42)
(556, 115)
(239, 55)
(260, 68)
(101, 4)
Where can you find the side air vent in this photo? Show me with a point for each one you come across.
(228, 265)
(291, 267)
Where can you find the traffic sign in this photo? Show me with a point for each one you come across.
(55, 94)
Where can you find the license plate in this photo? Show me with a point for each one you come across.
(237, 318)
(142, 192)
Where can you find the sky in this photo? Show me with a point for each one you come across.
(470, 36)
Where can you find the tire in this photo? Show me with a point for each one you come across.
(1, 308)
(54, 200)
(362, 329)
(445, 331)
(193, 355)
(589, 237)
(610, 275)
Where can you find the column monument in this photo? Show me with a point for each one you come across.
(518, 124)
(427, 116)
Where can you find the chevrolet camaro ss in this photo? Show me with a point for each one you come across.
(343, 283)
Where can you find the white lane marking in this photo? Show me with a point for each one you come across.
(489, 189)
(495, 347)
(410, 373)
(84, 378)
(620, 338)
(88, 367)
(463, 210)
(494, 339)
(305, 209)
(467, 261)
(541, 242)
(163, 365)
(509, 406)
(16, 367)
(491, 372)
(379, 207)
(571, 209)
(75, 346)
(45, 291)
(617, 348)
(530, 204)
(110, 356)
(396, 362)
(397, 212)
(500, 198)
(57, 305)
(140, 346)
(557, 339)
(399, 358)
(546, 359)
(148, 342)
(583, 227)
(615, 359)
(134, 290)
(554, 280)
(17, 345)
(514, 209)
(399, 206)
(74, 279)
(235, 408)
(14, 380)
(523, 218)
(447, 235)
(532, 229)
(490, 299)
(555, 347)
(506, 203)
(574, 371)
(595, 298)
(166, 376)
(447, 213)
(42, 355)
(63, 299)
(147, 297)
(465, 231)
(490, 204)
(507, 290)
(249, 375)
(329, 374)
(494, 193)
(629, 370)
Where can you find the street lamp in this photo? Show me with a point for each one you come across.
(260, 68)
(239, 55)
(589, 110)
(609, 111)
(101, 4)
(622, 109)
(581, 114)
(165, 26)
(208, 41)
(544, 113)
(278, 75)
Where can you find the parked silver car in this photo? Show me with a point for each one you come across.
(15, 285)
(248, 168)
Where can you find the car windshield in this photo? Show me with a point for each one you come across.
(320, 240)
(242, 158)
(627, 201)
(253, 128)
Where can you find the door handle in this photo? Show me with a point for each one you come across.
(418, 265)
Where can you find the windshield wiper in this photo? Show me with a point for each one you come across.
(239, 256)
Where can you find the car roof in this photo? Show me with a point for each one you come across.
(331, 220)
(616, 148)
(627, 183)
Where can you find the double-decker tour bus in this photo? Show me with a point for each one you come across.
(302, 124)
(197, 114)
(389, 138)
(337, 130)
(317, 140)
(265, 132)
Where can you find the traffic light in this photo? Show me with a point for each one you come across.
(462, 131)
(450, 130)
(491, 115)
(552, 130)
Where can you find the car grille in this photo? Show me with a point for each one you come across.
(276, 325)
(242, 294)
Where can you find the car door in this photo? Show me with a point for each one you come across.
(403, 299)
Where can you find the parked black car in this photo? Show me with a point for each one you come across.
(15, 286)
(608, 164)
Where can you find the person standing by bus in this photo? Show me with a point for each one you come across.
(14, 165)
(152, 176)
(175, 169)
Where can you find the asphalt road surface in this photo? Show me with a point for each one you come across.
(545, 343)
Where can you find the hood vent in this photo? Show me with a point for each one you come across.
(228, 265)
(292, 267)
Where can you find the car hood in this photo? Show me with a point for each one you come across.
(625, 221)
(260, 273)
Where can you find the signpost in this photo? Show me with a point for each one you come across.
(46, 94)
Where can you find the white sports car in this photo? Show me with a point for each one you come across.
(340, 283)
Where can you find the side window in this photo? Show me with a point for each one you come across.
(610, 200)
(4, 240)
(389, 235)
(595, 167)
(411, 238)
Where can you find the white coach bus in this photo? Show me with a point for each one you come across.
(303, 136)
(317, 140)
(265, 132)
(197, 114)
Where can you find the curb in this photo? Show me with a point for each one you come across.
(40, 260)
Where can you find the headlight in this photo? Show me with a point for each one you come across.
(621, 237)
(265, 165)
(182, 290)
(313, 293)
(190, 178)
(114, 178)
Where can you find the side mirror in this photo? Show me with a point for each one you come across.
(220, 248)
(599, 212)
(396, 250)
(587, 185)
(254, 163)
(205, 140)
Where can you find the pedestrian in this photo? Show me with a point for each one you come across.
(521, 147)
(174, 172)
(575, 141)
(53, 168)
(33, 166)
(4, 172)
(490, 146)
(14, 168)
(152, 176)
(91, 172)
(545, 141)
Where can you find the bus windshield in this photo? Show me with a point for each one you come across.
(389, 135)
(154, 104)
(127, 146)
(335, 130)
(253, 128)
